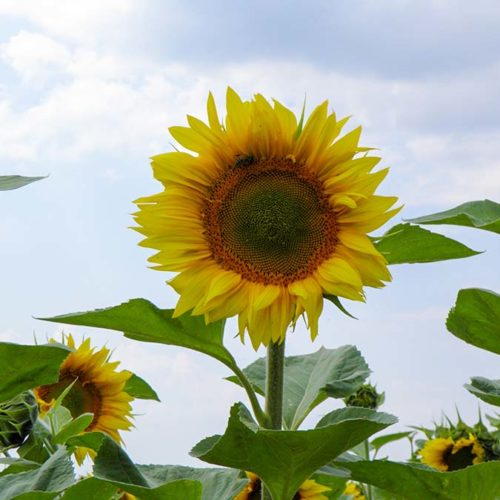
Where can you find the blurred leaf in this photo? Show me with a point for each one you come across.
(336, 302)
(311, 378)
(141, 320)
(285, 459)
(485, 389)
(9, 182)
(484, 214)
(417, 482)
(475, 318)
(407, 244)
(139, 388)
(54, 475)
(73, 428)
(113, 465)
(377, 443)
(27, 366)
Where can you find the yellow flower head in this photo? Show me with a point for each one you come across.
(266, 216)
(354, 491)
(445, 454)
(310, 490)
(98, 388)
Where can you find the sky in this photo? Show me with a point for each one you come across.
(87, 92)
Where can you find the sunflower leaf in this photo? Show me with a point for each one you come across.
(74, 427)
(140, 389)
(114, 466)
(24, 367)
(141, 320)
(90, 488)
(9, 182)
(311, 378)
(486, 389)
(407, 244)
(482, 214)
(415, 481)
(285, 459)
(53, 476)
(475, 318)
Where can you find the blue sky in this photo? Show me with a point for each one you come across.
(87, 91)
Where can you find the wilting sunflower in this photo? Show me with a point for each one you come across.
(310, 490)
(98, 388)
(445, 454)
(266, 216)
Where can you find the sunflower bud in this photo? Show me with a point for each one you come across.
(17, 417)
(365, 397)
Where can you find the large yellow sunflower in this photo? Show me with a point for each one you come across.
(98, 388)
(266, 216)
(309, 490)
(445, 454)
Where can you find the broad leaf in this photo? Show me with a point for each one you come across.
(9, 182)
(311, 378)
(285, 459)
(90, 489)
(141, 320)
(475, 318)
(484, 214)
(73, 428)
(113, 465)
(24, 367)
(407, 244)
(380, 441)
(140, 389)
(54, 475)
(417, 482)
(485, 389)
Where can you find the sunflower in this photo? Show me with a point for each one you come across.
(445, 454)
(98, 388)
(354, 491)
(310, 490)
(266, 216)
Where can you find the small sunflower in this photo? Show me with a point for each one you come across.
(310, 490)
(354, 491)
(445, 454)
(98, 388)
(266, 216)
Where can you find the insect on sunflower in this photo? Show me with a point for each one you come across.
(266, 216)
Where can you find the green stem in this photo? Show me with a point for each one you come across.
(274, 392)
(257, 410)
(368, 488)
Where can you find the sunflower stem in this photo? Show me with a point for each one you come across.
(257, 410)
(274, 384)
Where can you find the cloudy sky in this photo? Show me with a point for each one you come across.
(87, 91)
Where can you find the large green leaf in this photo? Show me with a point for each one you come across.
(90, 489)
(9, 182)
(285, 459)
(311, 378)
(140, 389)
(407, 244)
(114, 466)
(417, 482)
(23, 367)
(486, 389)
(54, 475)
(484, 214)
(475, 318)
(139, 319)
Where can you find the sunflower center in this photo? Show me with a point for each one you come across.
(460, 459)
(270, 221)
(82, 398)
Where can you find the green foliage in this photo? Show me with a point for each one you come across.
(380, 441)
(285, 459)
(90, 489)
(17, 417)
(407, 244)
(24, 367)
(141, 320)
(417, 482)
(311, 378)
(9, 182)
(140, 389)
(73, 428)
(54, 475)
(475, 318)
(484, 214)
(485, 389)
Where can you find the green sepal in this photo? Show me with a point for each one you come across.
(140, 389)
(482, 214)
(285, 459)
(336, 302)
(475, 318)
